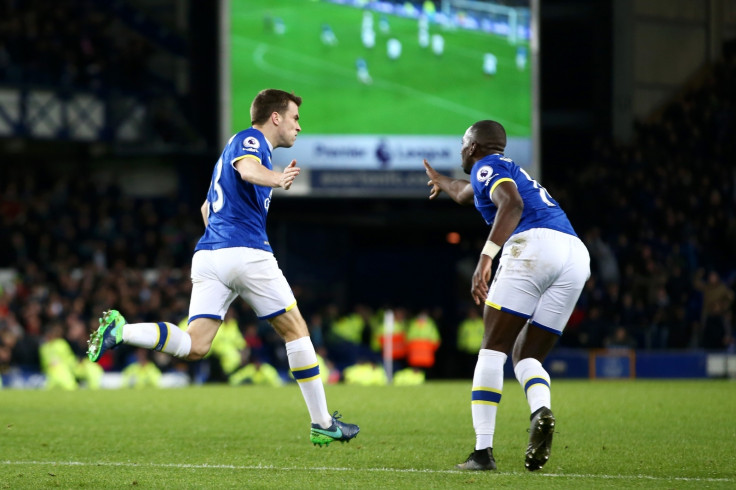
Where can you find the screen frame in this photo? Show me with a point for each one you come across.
(304, 187)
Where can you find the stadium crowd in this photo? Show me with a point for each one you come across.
(658, 216)
(84, 47)
(71, 44)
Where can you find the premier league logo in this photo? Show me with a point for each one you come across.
(383, 154)
(484, 173)
(251, 143)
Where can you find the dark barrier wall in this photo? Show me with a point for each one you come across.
(616, 364)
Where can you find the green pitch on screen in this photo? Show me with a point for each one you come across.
(419, 93)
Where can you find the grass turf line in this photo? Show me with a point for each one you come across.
(645, 434)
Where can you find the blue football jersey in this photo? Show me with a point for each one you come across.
(540, 210)
(238, 209)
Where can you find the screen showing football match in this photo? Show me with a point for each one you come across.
(384, 84)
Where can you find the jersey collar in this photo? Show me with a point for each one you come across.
(270, 146)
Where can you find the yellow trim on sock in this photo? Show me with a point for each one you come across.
(484, 388)
(306, 367)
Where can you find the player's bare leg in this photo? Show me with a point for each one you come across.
(202, 331)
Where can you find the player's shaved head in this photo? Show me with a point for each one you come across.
(269, 101)
(489, 136)
(480, 140)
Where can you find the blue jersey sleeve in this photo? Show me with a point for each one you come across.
(540, 209)
(245, 145)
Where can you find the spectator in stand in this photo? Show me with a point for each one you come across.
(717, 296)
(346, 339)
(73, 44)
(718, 326)
(142, 373)
(422, 341)
(469, 340)
(229, 346)
(619, 339)
(256, 372)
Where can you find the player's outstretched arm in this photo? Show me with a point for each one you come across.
(458, 189)
(252, 171)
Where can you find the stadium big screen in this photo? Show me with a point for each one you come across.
(385, 84)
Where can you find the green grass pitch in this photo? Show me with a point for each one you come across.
(610, 434)
(419, 94)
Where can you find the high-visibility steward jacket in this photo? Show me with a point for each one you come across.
(365, 374)
(57, 363)
(138, 375)
(397, 339)
(262, 374)
(423, 339)
(409, 377)
(470, 335)
(350, 328)
(398, 335)
(398, 343)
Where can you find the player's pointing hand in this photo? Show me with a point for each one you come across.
(433, 175)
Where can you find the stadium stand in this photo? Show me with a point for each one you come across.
(658, 215)
(99, 62)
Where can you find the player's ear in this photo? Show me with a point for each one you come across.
(275, 118)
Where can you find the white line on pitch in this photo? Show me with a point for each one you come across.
(205, 466)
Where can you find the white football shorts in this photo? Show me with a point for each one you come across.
(540, 276)
(219, 276)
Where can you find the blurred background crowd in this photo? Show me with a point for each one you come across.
(103, 48)
(73, 44)
(658, 216)
(659, 220)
